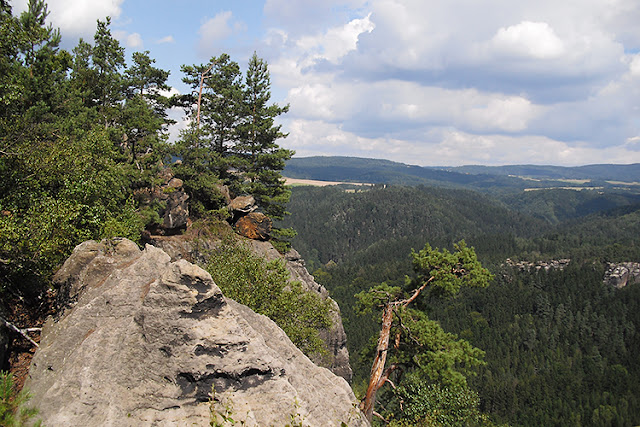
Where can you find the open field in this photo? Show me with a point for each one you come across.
(296, 181)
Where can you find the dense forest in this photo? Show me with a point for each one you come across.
(560, 345)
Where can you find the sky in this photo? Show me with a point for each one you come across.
(422, 82)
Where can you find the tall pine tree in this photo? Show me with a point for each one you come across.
(262, 158)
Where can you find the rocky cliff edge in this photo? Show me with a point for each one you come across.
(147, 341)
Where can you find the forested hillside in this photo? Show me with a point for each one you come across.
(560, 345)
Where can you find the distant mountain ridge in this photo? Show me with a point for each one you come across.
(605, 172)
(482, 178)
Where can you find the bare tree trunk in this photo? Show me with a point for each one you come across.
(22, 332)
(202, 77)
(377, 370)
(378, 375)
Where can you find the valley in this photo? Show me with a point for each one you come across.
(560, 343)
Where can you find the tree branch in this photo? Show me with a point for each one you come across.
(22, 332)
(381, 417)
(406, 302)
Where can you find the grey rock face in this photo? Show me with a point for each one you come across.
(620, 275)
(145, 341)
(555, 264)
(243, 205)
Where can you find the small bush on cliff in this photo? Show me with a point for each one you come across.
(265, 288)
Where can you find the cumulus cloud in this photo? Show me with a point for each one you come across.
(216, 29)
(77, 18)
(397, 105)
(490, 82)
(443, 146)
(533, 39)
(337, 41)
(302, 17)
(166, 39)
(130, 40)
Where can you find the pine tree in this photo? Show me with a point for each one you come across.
(144, 114)
(414, 344)
(262, 158)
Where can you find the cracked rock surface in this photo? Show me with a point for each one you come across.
(147, 341)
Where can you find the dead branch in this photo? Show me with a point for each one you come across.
(22, 332)
(202, 77)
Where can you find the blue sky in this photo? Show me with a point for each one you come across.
(424, 82)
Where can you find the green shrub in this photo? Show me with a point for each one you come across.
(265, 288)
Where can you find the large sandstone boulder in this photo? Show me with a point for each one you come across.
(147, 341)
(183, 247)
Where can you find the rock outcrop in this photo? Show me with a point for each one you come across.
(555, 264)
(179, 247)
(255, 225)
(148, 341)
(170, 201)
(621, 274)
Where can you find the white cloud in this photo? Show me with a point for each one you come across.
(132, 41)
(216, 29)
(490, 82)
(166, 39)
(634, 66)
(337, 41)
(447, 147)
(77, 18)
(399, 105)
(308, 16)
(532, 39)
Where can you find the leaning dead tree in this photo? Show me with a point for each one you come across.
(22, 332)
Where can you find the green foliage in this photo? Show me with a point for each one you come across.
(498, 180)
(261, 157)
(233, 136)
(203, 189)
(13, 410)
(57, 194)
(265, 288)
(434, 405)
(450, 271)
(281, 239)
(422, 352)
(560, 346)
(75, 143)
